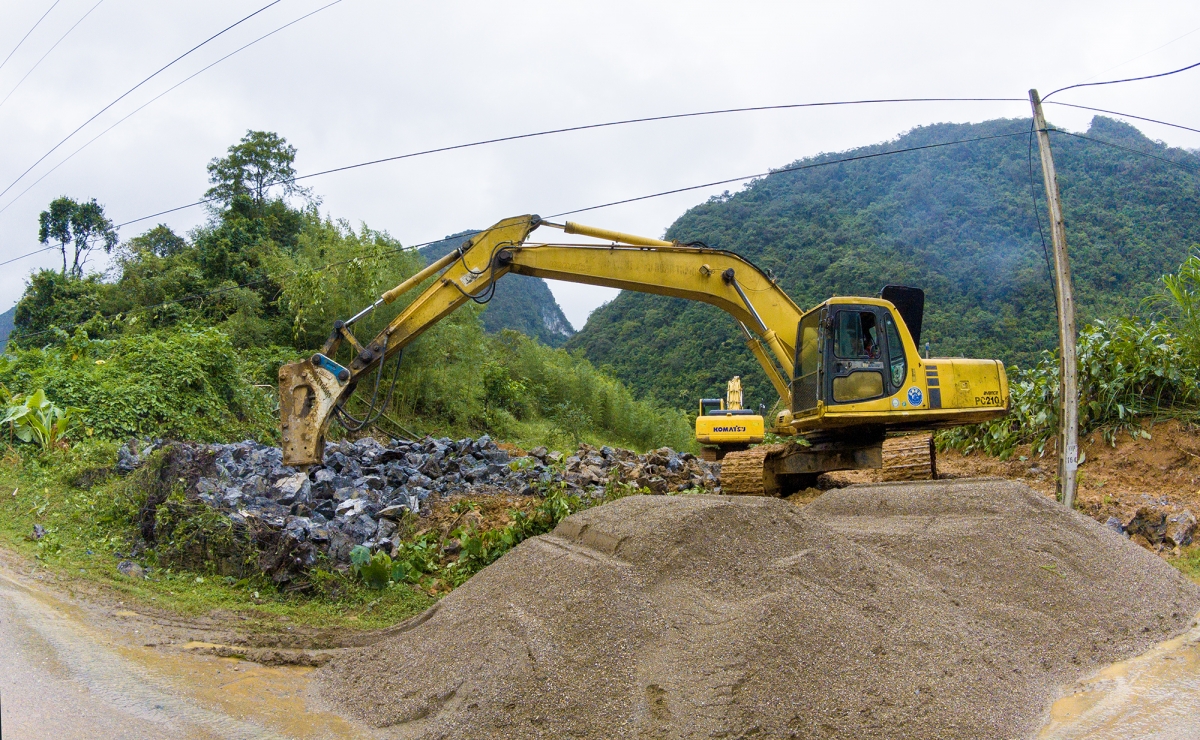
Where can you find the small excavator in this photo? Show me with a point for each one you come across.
(848, 372)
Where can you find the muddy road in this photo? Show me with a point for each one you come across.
(70, 670)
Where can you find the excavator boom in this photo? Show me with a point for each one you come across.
(848, 370)
(310, 390)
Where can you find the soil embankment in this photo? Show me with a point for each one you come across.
(934, 610)
(1146, 484)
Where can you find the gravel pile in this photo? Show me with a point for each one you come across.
(363, 488)
(951, 609)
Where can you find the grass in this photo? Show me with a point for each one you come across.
(89, 530)
(1189, 562)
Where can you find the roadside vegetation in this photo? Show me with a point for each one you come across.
(1132, 372)
(182, 339)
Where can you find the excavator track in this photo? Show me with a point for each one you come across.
(745, 473)
(912, 457)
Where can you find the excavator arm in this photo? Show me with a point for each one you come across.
(312, 390)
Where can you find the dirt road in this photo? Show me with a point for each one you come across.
(65, 677)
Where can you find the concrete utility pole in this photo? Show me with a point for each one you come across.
(1068, 417)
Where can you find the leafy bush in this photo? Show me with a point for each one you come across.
(184, 383)
(1129, 372)
(40, 421)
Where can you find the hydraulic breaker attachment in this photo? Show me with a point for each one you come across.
(308, 392)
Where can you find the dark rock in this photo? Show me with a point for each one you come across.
(373, 482)
(130, 569)
(293, 488)
(1151, 524)
(1180, 529)
(420, 480)
(394, 512)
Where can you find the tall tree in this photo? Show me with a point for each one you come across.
(78, 228)
(262, 160)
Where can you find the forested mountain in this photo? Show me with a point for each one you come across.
(521, 302)
(957, 221)
(6, 325)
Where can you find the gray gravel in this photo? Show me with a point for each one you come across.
(932, 610)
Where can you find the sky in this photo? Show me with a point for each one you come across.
(365, 79)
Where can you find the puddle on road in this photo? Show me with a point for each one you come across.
(1155, 695)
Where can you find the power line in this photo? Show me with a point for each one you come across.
(1181, 165)
(570, 129)
(788, 169)
(156, 97)
(135, 87)
(564, 213)
(1139, 56)
(28, 254)
(52, 48)
(35, 25)
(1126, 115)
(1127, 79)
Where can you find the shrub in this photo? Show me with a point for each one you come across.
(1129, 372)
(184, 383)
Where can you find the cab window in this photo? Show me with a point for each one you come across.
(897, 363)
(856, 336)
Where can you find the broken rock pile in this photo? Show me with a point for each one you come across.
(364, 488)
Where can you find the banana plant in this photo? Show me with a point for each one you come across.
(40, 421)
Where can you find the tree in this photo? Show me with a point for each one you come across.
(262, 160)
(81, 226)
(160, 241)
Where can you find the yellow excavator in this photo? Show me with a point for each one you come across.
(724, 426)
(848, 371)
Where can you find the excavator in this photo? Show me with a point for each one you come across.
(848, 372)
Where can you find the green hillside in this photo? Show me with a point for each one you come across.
(957, 221)
(6, 325)
(521, 302)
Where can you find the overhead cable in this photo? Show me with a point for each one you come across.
(1139, 56)
(569, 129)
(788, 169)
(135, 87)
(52, 48)
(414, 247)
(654, 118)
(35, 25)
(156, 97)
(1181, 165)
(1126, 115)
(27, 254)
(1127, 79)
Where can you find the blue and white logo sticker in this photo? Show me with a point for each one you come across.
(915, 397)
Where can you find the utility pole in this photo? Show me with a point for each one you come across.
(1068, 417)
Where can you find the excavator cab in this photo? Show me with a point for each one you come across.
(858, 370)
